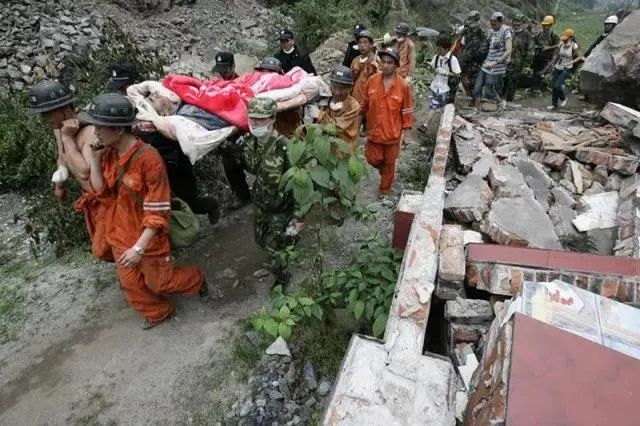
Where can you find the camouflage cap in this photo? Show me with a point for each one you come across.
(473, 17)
(262, 108)
(519, 18)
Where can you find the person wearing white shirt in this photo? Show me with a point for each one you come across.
(447, 71)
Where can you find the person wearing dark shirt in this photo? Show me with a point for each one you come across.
(609, 24)
(352, 48)
(225, 68)
(289, 55)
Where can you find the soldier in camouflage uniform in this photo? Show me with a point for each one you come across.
(520, 57)
(266, 158)
(475, 47)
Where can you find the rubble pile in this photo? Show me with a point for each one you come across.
(547, 180)
(37, 37)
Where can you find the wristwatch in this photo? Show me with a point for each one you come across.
(138, 250)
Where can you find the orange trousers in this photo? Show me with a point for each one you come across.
(147, 285)
(383, 157)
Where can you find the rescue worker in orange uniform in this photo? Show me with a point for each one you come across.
(388, 106)
(365, 65)
(406, 51)
(344, 109)
(131, 178)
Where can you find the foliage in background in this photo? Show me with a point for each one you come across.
(10, 311)
(27, 148)
(364, 288)
(318, 177)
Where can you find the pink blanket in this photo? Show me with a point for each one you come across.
(228, 99)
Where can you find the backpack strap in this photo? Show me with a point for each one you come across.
(123, 171)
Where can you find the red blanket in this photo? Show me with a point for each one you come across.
(228, 99)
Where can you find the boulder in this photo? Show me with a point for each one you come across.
(612, 71)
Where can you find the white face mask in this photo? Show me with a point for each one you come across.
(400, 39)
(288, 51)
(335, 106)
(259, 132)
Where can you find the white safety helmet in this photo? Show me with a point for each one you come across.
(613, 19)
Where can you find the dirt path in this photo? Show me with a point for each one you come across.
(86, 360)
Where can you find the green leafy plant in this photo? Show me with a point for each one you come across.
(365, 288)
(285, 313)
(322, 173)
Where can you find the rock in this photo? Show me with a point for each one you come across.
(330, 53)
(613, 183)
(25, 69)
(309, 376)
(278, 347)
(468, 311)
(537, 179)
(246, 408)
(261, 273)
(600, 212)
(507, 181)
(47, 43)
(310, 402)
(248, 24)
(569, 186)
(519, 221)
(603, 239)
(324, 388)
(601, 174)
(470, 200)
(612, 71)
(245, 63)
(562, 216)
(484, 164)
(261, 402)
(620, 115)
(554, 160)
(563, 197)
(595, 188)
(291, 375)
(472, 237)
(274, 394)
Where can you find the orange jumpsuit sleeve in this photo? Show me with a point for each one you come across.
(364, 103)
(156, 205)
(407, 108)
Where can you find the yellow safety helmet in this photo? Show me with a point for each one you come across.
(548, 20)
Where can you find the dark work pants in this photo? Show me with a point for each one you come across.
(183, 184)
(559, 76)
(234, 170)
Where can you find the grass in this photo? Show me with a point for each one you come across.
(323, 345)
(11, 312)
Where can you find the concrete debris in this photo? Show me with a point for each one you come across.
(470, 200)
(613, 182)
(576, 175)
(620, 115)
(472, 237)
(595, 188)
(569, 186)
(507, 182)
(467, 142)
(466, 371)
(563, 197)
(483, 165)
(562, 216)
(600, 212)
(279, 347)
(519, 221)
(537, 179)
(468, 311)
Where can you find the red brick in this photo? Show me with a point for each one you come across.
(582, 281)
(595, 284)
(517, 277)
(626, 231)
(473, 275)
(625, 292)
(609, 288)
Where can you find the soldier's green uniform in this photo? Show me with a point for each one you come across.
(521, 56)
(267, 160)
(474, 51)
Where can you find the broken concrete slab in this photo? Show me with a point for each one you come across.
(620, 115)
(595, 188)
(468, 311)
(472, 237)
(569, 186)
(599, 212)
(519, 221)
(278, 347)
(452, 259)
(554, 160)
(601, 174)
(576, 176)
(613, 182)
(604, 240)
(562, 216)
(484, 164)
(470, 200)
(563, 197)
(467, 142)
(507, 181)
(537, 179)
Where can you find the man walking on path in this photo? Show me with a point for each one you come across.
(388, 107)
(289, 55)
(521, 58)
(545, 42)
(353, 51)
(344, 109)
(494, 66)
(406, 51)
(131, 179)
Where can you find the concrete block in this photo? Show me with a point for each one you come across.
(600, 212)
(562, 217)
(595, 188)
(563, 197)
(468, 311)
(467, 142)
(452, 258)
(484, 164)
(537, 179)
(613, 182)
(507, 181)
(529, 227)
(470, 200)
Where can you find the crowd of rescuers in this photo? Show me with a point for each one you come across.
(129, 172)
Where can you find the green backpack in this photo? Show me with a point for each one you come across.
(183, 224)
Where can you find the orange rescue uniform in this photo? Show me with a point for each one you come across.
(347, 121)
(407, 50)
(142, 199)
(362, 70)
(388, 112)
